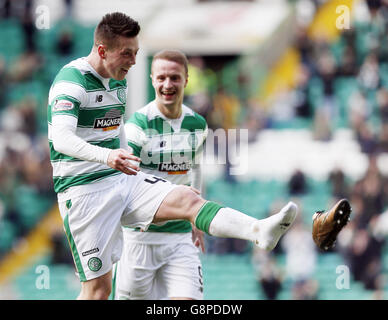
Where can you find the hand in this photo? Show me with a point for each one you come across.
(119, 159)
(198, 239)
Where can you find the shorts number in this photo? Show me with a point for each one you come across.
(156, 179)
(200, 275)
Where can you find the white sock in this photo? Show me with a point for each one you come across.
(230, 223)
(273, 227)
(265, 233)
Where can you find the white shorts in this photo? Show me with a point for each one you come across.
(158, 271)
(93, 221)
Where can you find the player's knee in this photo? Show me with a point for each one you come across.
(182, 203)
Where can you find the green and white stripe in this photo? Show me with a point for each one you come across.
(158, 140)
(74, 250)
(96, 103)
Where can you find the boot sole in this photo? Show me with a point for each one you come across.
(341, 218)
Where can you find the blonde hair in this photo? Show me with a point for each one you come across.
(172, 55)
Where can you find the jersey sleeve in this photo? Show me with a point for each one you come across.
(201, 144)
(205, 132)
(135, 132)
(65, 140)
(67, 94)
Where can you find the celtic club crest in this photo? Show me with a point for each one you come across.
(122, 95)
(94, 264)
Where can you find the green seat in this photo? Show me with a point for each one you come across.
(229, 277)
(63, 284)
(10, 29)
(8, 233)
(31, 206)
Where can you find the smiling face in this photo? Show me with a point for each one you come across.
(169, 80)
(118, 59)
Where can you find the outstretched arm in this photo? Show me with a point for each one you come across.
(67, 142)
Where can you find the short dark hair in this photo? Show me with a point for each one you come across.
(172, 55)
(113, 25)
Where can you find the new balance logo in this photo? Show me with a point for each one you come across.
(99, 98)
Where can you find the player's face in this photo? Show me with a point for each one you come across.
(169, 79)
(118, 60)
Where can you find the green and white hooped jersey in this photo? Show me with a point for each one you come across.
(98, 104)
(168, 148)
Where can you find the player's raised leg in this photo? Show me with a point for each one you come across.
(212, 218)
